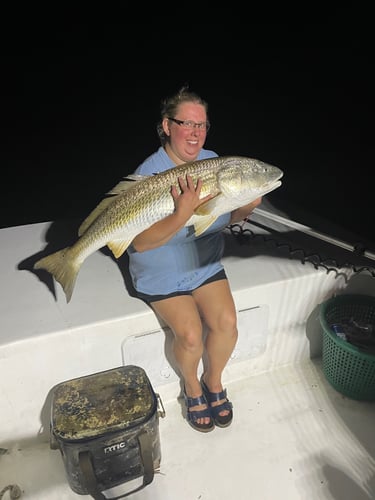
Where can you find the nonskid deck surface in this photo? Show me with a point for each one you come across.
(293, 436)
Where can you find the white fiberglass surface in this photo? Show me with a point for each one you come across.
(293, 436)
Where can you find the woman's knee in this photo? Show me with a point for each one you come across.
(227, 321)
(190, 339)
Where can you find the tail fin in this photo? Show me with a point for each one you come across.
(63, 268)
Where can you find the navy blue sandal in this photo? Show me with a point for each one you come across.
(220, 420)
(194, 415)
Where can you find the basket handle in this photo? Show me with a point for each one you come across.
(87, 469)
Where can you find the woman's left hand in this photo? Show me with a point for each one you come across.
(243, 212)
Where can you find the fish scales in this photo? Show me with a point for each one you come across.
(152, 199)
(137, 202)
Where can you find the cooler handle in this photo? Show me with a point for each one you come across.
(90, 478)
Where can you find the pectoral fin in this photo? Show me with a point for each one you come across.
(118, 247)
(209, 207)
(203, 223)
(204, 215)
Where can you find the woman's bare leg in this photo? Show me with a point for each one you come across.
(182, 316)
(216, 305)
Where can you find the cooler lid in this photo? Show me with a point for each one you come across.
(89, 406)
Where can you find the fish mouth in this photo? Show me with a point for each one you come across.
(270, 187)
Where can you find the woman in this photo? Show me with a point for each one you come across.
(181, 276)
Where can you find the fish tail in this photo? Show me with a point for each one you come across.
(63, 268)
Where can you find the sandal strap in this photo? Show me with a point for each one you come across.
(200, 400)
(216, 396)
(226, 405)
(212, 397)
(194, 415)
(215, 410)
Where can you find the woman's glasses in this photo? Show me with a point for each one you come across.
(189, 124)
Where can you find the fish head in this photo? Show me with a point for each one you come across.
(246, 179)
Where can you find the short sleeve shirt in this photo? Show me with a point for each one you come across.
(185, 261)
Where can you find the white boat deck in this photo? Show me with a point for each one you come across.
(293, 436)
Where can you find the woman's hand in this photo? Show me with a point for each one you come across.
(243, 212)
(188, 198)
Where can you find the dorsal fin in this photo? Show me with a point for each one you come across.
(121, 187)
(127, 183)
(95, 213)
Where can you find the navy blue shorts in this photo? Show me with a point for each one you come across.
(154, 298)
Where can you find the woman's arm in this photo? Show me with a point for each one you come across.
(243, 212)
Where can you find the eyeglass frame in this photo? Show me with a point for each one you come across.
(190, 124)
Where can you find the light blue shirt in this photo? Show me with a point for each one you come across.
(185, 261)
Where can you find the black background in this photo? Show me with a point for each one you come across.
(81, 100)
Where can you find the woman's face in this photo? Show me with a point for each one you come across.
(186, 142)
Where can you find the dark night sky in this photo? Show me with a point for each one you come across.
(81, 102)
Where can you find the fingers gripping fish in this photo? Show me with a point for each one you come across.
(139, 201)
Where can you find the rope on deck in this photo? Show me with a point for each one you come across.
(245, 235)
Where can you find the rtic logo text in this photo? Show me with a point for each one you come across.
(114, 447)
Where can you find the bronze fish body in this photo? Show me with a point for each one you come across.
(137, 202)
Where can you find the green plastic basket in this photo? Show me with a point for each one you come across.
(350, 370)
